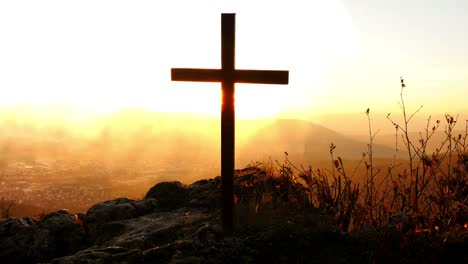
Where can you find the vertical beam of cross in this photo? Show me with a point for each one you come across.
(228, 76)
(228, 55)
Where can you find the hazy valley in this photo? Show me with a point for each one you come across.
(51, 161)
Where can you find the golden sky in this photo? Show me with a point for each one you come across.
(343, 55)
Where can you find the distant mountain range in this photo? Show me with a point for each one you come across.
(142, 134)
(306, 141)
(434, 143)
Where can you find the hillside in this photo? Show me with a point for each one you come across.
(433, 144)
(175, 223)
(308, 142)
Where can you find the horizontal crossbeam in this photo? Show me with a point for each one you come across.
(196, 75)
(240, 76)
(259, 76)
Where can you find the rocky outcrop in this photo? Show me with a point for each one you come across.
(168, 195)
(205, 194)
(26, 240)
(170, 216)
(152, 238)
(101, 220)
(181, 224)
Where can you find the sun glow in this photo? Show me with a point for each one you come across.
(109, 55)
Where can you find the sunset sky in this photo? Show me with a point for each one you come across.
(343, 55)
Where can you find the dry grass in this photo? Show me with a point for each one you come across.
(424, 195)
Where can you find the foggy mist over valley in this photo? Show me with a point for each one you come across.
(53, 157)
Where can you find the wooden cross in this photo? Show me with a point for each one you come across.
(228, 75)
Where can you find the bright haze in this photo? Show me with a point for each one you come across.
(90, 80)
(343, 56)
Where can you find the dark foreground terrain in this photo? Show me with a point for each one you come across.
(181, 224)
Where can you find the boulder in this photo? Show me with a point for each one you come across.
(100, 219)
(11, 226)
(154, 238)
(28, 241)
(168, 195)
(205, 194)
(108, 211)
(144, 207)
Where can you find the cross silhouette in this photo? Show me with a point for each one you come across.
(228, 75)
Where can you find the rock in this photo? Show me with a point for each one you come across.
(209, 233)
(158, 254)
(27, 241)
(186, 260)
(205, 193)
(158, 228)
(152, 238)
(106, 212)
(103, 255)
(62, 231)
(10, 226)
(177, 224)
(144, 207)
(15, 234)
(165, 252)
(102, 220)
(168, 195)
